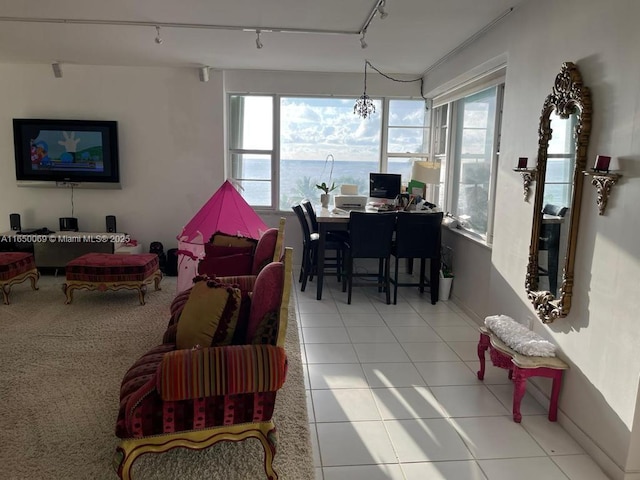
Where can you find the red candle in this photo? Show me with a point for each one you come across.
(522, 162)
(602, 163)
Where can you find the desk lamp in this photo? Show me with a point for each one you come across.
(424, 173)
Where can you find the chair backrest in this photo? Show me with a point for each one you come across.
(278, 252)
(304, 224)
(418, 235)
(370, 234)
(269, 248)
(312, 215)
(269, 315)
(555, 210)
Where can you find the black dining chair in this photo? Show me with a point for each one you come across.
(309, 265)
(418, 235)
(332, 236)
(370, 236)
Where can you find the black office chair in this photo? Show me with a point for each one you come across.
(370, 236)
(309, 265)
(550, 241)
(418, 236)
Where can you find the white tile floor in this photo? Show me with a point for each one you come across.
(393, 395)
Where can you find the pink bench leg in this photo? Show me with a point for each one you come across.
(520, 376)
(519, 387)
(555, 394)
(483, 345)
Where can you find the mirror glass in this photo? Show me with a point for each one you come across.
(556, 214)
(564, 129)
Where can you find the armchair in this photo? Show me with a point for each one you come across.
(242, 256)
(218, 387)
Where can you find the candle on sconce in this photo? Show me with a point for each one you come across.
(522, 162)
(602, 163)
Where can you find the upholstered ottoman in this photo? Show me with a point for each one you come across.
(16, 267)
(109, 271)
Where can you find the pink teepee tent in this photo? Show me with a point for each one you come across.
(227, 212)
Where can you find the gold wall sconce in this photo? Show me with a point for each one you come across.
(603, 180)
(528, 175)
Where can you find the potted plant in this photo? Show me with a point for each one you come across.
(327, 188)
(446, 273)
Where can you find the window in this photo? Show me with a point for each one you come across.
(466, 141)
(312, 129)
(408, 135)
(560, 162)
(251, 151)
(280, 146)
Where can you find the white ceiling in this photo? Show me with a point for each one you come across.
(414, 35)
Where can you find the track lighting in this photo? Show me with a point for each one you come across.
(158, 39)
(381, 11)
(258, 42)
(363, 43)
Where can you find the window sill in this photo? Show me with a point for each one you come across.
(474, 237)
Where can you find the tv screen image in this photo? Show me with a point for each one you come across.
(385, 185)
(66, 151)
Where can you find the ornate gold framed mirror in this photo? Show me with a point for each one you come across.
(563, 138)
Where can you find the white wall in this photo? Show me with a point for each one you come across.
(600, 336)
(169, 124)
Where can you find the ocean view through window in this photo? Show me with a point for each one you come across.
(278, 167)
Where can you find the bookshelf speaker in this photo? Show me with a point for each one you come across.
(111, 223)
(14, 221)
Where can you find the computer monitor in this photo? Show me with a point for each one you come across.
(384, 186)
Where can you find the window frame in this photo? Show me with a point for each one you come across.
(273, 152)
(383, 160)
(452, 100)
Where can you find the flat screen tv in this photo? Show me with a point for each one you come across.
(384, 185)
(82, 153)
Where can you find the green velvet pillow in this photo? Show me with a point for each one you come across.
(209, 317)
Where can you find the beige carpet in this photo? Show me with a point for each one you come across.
(60, 372)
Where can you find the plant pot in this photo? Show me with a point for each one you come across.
(324, 200)
(444, 290)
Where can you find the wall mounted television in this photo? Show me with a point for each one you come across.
(66, 153)
(385, 185)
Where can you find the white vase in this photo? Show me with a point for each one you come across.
(444, 288)
(324, 200)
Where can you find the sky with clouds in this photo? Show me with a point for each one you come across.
(312, 128)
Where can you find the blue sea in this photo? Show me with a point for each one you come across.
(298, 178)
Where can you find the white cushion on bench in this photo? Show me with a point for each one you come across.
(518, 337)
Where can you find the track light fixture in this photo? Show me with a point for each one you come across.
(258, 42)
(158, 39)
(364, 106)
(363, 43)
(381, 11)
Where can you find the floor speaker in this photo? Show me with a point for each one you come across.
(14, 221)
(68, 224)
(111, 223)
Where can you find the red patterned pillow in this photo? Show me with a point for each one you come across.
(211, 250)
(239, 264)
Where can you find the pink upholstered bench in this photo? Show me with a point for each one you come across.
(520, 368)
(109, 271)
(16, 267)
